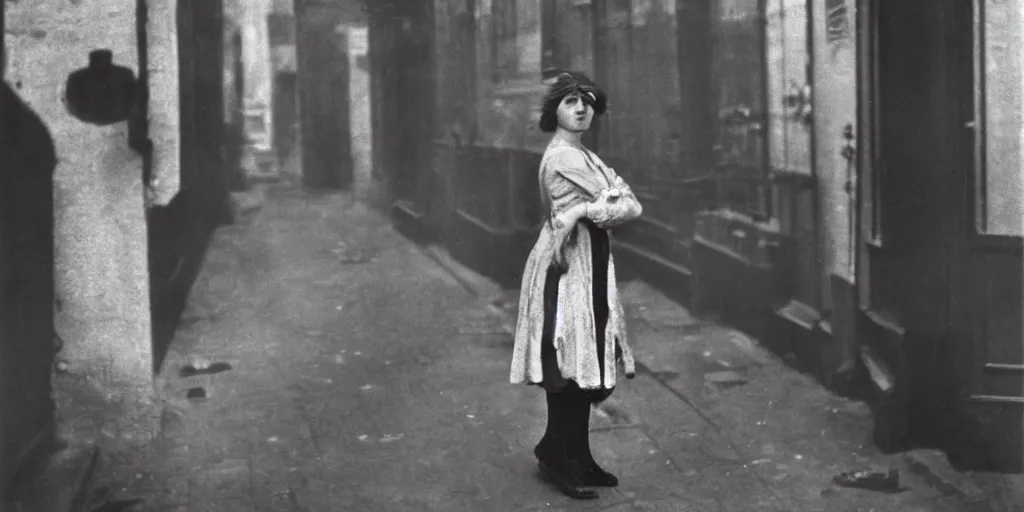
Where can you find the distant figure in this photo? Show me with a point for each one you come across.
(571, 329)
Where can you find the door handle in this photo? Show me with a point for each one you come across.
(799, 99)
(849, 153)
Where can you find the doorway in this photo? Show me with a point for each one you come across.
(323, 87)
(286, 120)
(938, 282)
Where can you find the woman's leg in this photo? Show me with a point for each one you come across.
(554, 453)
(552, 447)
(553, 384)
(591, 473)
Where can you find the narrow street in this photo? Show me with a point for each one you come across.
(347, 370)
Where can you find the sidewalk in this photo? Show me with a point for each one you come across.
(325, 363)
(788, 429)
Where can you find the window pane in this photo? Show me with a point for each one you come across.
(528, 36)
(788, 89)
(774, 49)
(1002, 126)
(484, 44)
(797, 87)
(738, 65)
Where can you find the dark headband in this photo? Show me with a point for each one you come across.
(568, 83)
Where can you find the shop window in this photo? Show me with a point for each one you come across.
(568, 42)
(513, 40)
(789, 90)
(738, 71)
(510, 87)
(999, 31)
(762, 98)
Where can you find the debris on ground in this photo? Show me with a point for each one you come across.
(725, 378)
(870, 479)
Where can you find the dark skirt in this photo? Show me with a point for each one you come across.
(553, 381)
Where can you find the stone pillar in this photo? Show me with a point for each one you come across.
(164, 105)
(102, 276)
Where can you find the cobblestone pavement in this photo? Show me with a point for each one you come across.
(364, 377)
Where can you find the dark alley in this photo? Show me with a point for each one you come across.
(512, 255)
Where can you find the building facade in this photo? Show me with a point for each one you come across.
(99, 243)
(770, 144)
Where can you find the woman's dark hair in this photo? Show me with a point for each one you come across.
(566, 84)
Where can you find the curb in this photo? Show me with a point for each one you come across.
(936, 471)
(476, 284)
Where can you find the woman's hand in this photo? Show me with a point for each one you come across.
(562, 238)
(614, 206)
(563, 225)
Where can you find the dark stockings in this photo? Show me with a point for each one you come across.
(565, 446)
(564, 452)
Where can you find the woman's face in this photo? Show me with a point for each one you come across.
(573, 114)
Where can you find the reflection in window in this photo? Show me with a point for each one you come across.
(514, 42)
(737, 75)
(528, 37)
(1001, 148)
(789, 95)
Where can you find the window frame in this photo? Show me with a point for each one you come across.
(980, 227)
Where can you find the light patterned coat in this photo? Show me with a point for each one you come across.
(569, 176)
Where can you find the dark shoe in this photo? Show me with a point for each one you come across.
(597, 477)
(566, 484)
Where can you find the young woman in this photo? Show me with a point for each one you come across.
(571, 329)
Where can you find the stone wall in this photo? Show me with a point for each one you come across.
(102, 278)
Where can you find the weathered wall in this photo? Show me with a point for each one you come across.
(100, 228)
(359, 109)
(835, 102)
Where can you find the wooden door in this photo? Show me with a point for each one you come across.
(987, 312)
(323, 76)
(286, 115)
(414, 109)
(914, 170)
(456, 89)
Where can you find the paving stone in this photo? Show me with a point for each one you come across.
(228, 505)
(227, 479)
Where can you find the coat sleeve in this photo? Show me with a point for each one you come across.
(607, 214)
(567, 183)
(574, 181)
